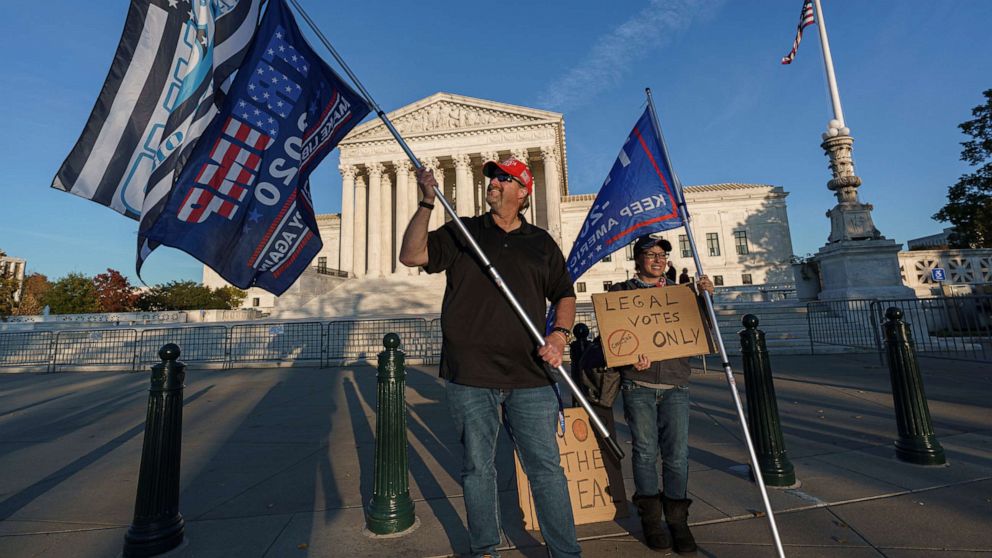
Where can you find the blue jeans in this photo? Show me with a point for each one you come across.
(658, 419)
(532, 414)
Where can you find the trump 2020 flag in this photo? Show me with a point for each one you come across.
(241, 204)
(638, 197)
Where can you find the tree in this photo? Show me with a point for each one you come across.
(35, 287)
(187, 295)
(8, 292)
(115, 292)
(72, 294)
(969, 206)
(232, 297)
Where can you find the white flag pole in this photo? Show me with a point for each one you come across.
(611, 444)
(755, 467)
(828, 63)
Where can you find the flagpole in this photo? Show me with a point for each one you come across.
(755, 467)
(828, 63)
(604, 432)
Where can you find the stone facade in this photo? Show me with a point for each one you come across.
(454, 136)
(13, 268)
(964, 269)
(741, 230)
(741, 233)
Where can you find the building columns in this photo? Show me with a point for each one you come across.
(375, 220)
(386, 220)
(347, 218)
(464, 200)
(359, 240)
(403, 209)
(552, 191)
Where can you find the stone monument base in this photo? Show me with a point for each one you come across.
(857, 269)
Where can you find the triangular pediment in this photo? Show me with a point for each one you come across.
(446, 112)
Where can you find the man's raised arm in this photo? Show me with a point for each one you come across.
(413, 252)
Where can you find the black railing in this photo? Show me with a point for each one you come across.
(324, 270)
(943, 327)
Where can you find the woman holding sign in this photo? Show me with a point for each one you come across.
(656, 405)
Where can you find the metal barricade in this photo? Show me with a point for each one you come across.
(292, 341)
(109, 348)
(198, 344)
(436, 339)
(28, 348)
(361, 340)
(957, 327)
(844, 323)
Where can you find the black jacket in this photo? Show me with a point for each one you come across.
(673, 372)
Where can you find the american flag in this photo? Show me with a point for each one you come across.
(805, 19)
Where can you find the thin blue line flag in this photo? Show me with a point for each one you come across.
(241, 204)
(638, 197)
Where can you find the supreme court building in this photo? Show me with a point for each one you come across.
(741, 230)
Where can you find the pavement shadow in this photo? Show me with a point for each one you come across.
(84, 408)
(276, 460)
(14, 502)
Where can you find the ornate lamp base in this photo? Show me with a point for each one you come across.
(853, 269)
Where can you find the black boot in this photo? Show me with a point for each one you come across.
(649, 508)
(677, 517)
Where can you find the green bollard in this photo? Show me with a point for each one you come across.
(580, 344)
(390, 511)
(762, 407)
(158, 526)
(917, 443)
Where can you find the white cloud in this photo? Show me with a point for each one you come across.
(614, 53)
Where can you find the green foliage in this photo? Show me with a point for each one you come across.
(187, 295)
(115, 292)
(232, 296)
(8, 288)
(72, 294)
(969, 202)
(35, 287)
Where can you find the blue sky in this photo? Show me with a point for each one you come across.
(909, 72)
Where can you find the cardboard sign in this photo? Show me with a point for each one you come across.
(595, 483)
(662, 323)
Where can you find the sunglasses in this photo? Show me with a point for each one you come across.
(505, 178)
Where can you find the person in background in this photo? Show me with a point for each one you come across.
(670, 273)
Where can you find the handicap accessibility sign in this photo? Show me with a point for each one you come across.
(938, 274)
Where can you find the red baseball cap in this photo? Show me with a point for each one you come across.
(513, 167)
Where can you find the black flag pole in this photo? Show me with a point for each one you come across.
(725, 362)
(563, 376)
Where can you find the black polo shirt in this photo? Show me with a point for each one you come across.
(485, 344)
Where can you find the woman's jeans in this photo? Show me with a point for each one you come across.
(658, 419)
(532, 414)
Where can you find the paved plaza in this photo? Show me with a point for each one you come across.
(278, 462)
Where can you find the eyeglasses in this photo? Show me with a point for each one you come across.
(656, 256)
(504, 177)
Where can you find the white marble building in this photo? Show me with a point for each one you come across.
(741, 230)
(13, 268)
